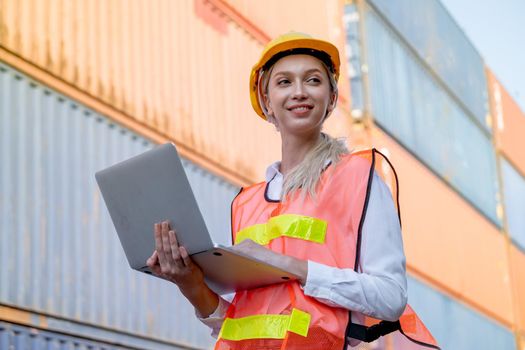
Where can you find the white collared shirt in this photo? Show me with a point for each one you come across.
(378, 290)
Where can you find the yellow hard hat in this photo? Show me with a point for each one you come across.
(284, 45)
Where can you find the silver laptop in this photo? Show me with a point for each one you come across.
(153, 187)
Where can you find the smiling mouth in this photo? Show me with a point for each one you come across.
(300, 108)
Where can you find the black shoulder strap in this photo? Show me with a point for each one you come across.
(397, 184)
(369, 334)
(231, 213)
(363, 213)
(354, 330)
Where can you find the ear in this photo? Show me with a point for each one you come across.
(333, 102)
(267, 104)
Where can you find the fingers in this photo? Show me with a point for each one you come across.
(153, 259)
(153, 263)
(167, 248)
(171, 261)
(158, 244)
(185, 257)
(174, 247)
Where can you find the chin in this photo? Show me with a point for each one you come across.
(302, 130)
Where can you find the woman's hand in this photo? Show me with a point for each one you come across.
(172, 262)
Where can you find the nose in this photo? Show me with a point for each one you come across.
(299, 92)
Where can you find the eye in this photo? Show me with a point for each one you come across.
(283, 81)
(314, 80)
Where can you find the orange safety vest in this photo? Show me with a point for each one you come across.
(327, 231)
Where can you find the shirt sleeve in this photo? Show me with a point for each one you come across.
(215, 320)
(379, 289)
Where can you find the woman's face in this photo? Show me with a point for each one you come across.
(299, 95)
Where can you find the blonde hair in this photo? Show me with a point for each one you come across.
(305, 176)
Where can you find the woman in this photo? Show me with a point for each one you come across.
(308, 217)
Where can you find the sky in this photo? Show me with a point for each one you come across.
(497, 30)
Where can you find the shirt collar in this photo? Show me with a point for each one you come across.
(273, 169)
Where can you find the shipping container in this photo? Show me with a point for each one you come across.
(59, 253)
(14, 336)
(410, 104)
(172, 66)
(517, 261)
(514, 200)
(509, 122)
(435, 36)
(455, 325)
(448, 243)
(17, 337)
(84, 84)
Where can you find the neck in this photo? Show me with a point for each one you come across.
(294, 149)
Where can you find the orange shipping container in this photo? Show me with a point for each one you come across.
(177, 69)
(509, 123)
(456, 258)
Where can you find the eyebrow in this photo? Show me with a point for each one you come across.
(312, 70)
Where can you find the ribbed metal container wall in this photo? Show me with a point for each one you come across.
(457, 254)
(454, 325)
(20, 337)
(271, 15)
(17, 337)
(178, 67)
(514, 195)
(439, 41)
(59, 253)
(408, 101)
(509, 122)
(517, 260)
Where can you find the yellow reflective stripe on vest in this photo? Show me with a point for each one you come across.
(265, 326)
(289, 225)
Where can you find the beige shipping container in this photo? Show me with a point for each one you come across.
(177, 69)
